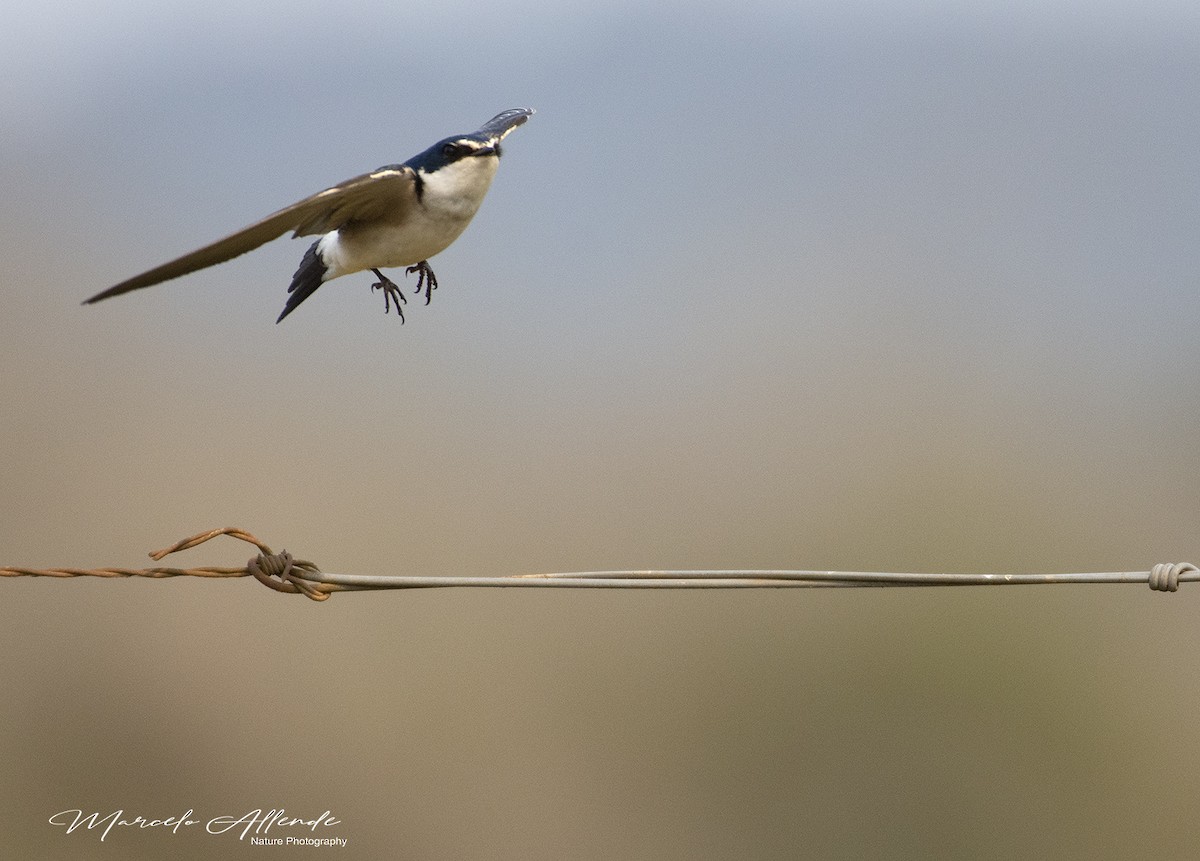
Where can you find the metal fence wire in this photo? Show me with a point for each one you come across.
(284, 573)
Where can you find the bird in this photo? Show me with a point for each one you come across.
(398, 215)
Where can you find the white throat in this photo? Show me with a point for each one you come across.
(456, 190)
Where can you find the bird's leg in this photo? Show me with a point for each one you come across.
(425, 278)
(391, 293)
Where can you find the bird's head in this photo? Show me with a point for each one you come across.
(483, 143)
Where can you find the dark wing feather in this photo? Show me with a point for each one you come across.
(387, 192)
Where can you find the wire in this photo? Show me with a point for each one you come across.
(283, 573)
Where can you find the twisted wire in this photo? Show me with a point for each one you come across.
(278, 571)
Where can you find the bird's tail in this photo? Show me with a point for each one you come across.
(307, 279)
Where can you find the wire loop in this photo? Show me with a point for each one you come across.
(1164, 577)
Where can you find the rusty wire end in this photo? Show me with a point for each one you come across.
(201, 537)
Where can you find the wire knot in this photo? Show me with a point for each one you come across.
(281, 572)
(1164, 577)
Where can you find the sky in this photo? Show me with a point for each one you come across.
(854, 286)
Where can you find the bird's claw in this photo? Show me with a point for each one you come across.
(392, 294)
(425, 278)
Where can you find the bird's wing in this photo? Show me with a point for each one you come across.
(387, 193)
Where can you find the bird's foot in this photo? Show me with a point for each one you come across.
(425, 278)
(392, 294)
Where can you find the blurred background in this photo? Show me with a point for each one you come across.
(859, 286)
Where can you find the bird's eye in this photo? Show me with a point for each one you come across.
(450, 150)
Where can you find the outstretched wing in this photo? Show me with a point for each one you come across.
(387, 193)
